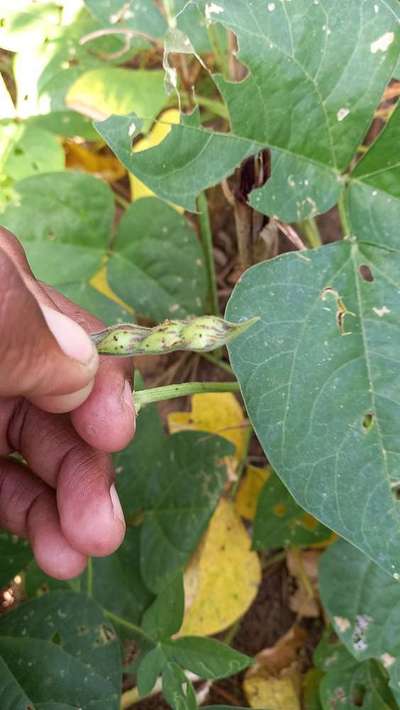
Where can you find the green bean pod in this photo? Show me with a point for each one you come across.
(198, 334)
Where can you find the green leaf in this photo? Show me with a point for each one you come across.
(164, 617)
(12, 695)
(26, 150)
(317, 397)
(150, 668)
(111, 90)
(15, 555)
(177, 689)
(183, 486)
(175, 483)
(116, 581)
(60, 649)
(187, 161)
(68, 237)
(373, 196)
(310, 93)
(206, 657)
(309, 96)
(329, 404)
(363, 685)
(362, 601)
(331, 654)
(37, 582)
(139, 15)
(64, 123)
(280, 522)
(157, 263)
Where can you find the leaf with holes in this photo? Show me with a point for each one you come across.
(326, 353)
(315, 117)
(136, 15)
(309, 95)
(187, 161)
(59, 649)
(364, 605)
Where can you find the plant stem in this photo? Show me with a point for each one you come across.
(159, 394)
(89, 578)
(217, 362)
(343, 216)
(278, 557)
(121, 201)
(311, 232)
(242, 463)
(136, 631)
(216, 107)
(207, 241)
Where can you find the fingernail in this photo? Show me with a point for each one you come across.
(117, 508)
(72, 339)
(127, 395)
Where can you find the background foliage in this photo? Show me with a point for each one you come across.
(115, 118)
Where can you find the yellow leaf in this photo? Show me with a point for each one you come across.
(249, 489)
(81, 158)
(273, 693)
(157, 134)
(222, 578)
(219, 413)
(274, 681)
(100, 282)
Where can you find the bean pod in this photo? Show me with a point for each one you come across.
(198, 334)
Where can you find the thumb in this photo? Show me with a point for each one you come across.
(43, 353)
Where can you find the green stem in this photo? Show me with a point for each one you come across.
(343, 215)
(159, 394)
(217, 362)
(231, 633)
(207, 241)
(278, 557)
(218, 108)
(136, 631)
(311, 232)
(89, 578)
(242, 463)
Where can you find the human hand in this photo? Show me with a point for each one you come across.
(63, 500)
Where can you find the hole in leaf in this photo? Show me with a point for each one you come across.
(368, 422)
(18, 150)
(35, 166)
(56, 638)
(358, 695)
(106, 635)
(366, 273)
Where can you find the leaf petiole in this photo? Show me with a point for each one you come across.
(160, 394)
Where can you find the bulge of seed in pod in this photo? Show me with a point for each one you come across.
(164, 337)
